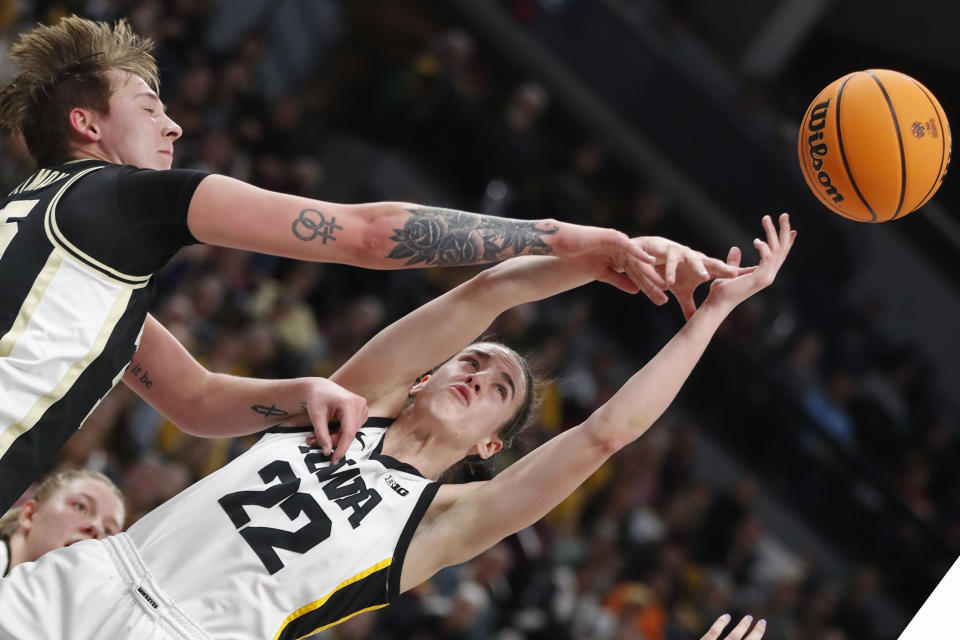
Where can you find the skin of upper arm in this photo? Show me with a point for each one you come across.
(231, 213)
(162, 372)
(385, 368)
(470, 518)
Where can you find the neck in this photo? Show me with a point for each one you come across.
(92, 152)
(18, 549)
(411, 440)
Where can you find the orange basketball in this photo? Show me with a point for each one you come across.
(874, 145)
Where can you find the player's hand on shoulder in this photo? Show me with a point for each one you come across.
(737, 632)
(329, 402)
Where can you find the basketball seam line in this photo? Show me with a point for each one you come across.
(896, 127)
(843, 154)
(943, 144)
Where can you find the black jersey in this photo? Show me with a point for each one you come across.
(79, 244)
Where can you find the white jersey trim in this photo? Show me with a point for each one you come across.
(32, 378)
(57, 238)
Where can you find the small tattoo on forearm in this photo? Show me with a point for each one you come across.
(141, 374)
(436, 236)
(310, 224)
(270, 412)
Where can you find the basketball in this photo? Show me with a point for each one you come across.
(874, 145)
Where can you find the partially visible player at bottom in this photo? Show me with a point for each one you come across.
(280, 543)
(67, 507)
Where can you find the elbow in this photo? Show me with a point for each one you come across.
(605, 437)
(190, 413)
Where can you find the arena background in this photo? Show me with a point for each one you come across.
(804, 475)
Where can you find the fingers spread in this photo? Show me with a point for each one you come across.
(716, 628)
(670, 269)
(620, 281)
(758, 630)
(737, 632)
(773, 239)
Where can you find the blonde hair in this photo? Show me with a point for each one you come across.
(9, 523)
(63, 66)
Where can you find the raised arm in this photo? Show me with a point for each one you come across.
(383, 370)
(393, 235)
(470, 518)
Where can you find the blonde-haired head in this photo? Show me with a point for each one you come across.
(63, 66)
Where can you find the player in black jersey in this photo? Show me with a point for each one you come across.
(81, 239)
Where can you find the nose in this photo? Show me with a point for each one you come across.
(474, 381)
(94, 529)
(171, 129)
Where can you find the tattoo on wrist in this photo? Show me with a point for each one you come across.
(142, 375)
(273, 411)
(436, 236)
(311, 224)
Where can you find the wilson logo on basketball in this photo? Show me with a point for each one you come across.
(817, 148)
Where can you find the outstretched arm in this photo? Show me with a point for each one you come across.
(472, 517)
(383, 370)
(393, 235)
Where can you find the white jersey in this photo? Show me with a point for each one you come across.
(4, 557)
(279, 544)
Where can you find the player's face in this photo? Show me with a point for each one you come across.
(137, 130)
(474, 394)
(82, 509)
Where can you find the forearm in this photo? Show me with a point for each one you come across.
(648, 393)
(382, 235)
(413, 235)
(521, 280)
(201, 402)
(226, 406)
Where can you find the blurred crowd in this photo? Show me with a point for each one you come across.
(839, 422)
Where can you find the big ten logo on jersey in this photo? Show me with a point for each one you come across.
(339, 483)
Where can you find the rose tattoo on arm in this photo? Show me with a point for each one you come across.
(446, 237)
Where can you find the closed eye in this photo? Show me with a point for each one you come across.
(474, 363)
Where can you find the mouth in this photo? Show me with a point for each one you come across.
(168, 152)
(464, 393)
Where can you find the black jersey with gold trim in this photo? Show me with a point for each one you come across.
(280, 544)
(79, 244)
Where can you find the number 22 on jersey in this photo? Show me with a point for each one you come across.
(341, 485)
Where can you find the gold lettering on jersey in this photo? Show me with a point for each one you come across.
(39, 180)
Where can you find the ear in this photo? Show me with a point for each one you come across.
(84, 123)
(26, 515)
(419, 385)
(487, 447)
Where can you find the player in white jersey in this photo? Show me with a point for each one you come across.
(68, 506)
(280, 542)
(81, 240)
